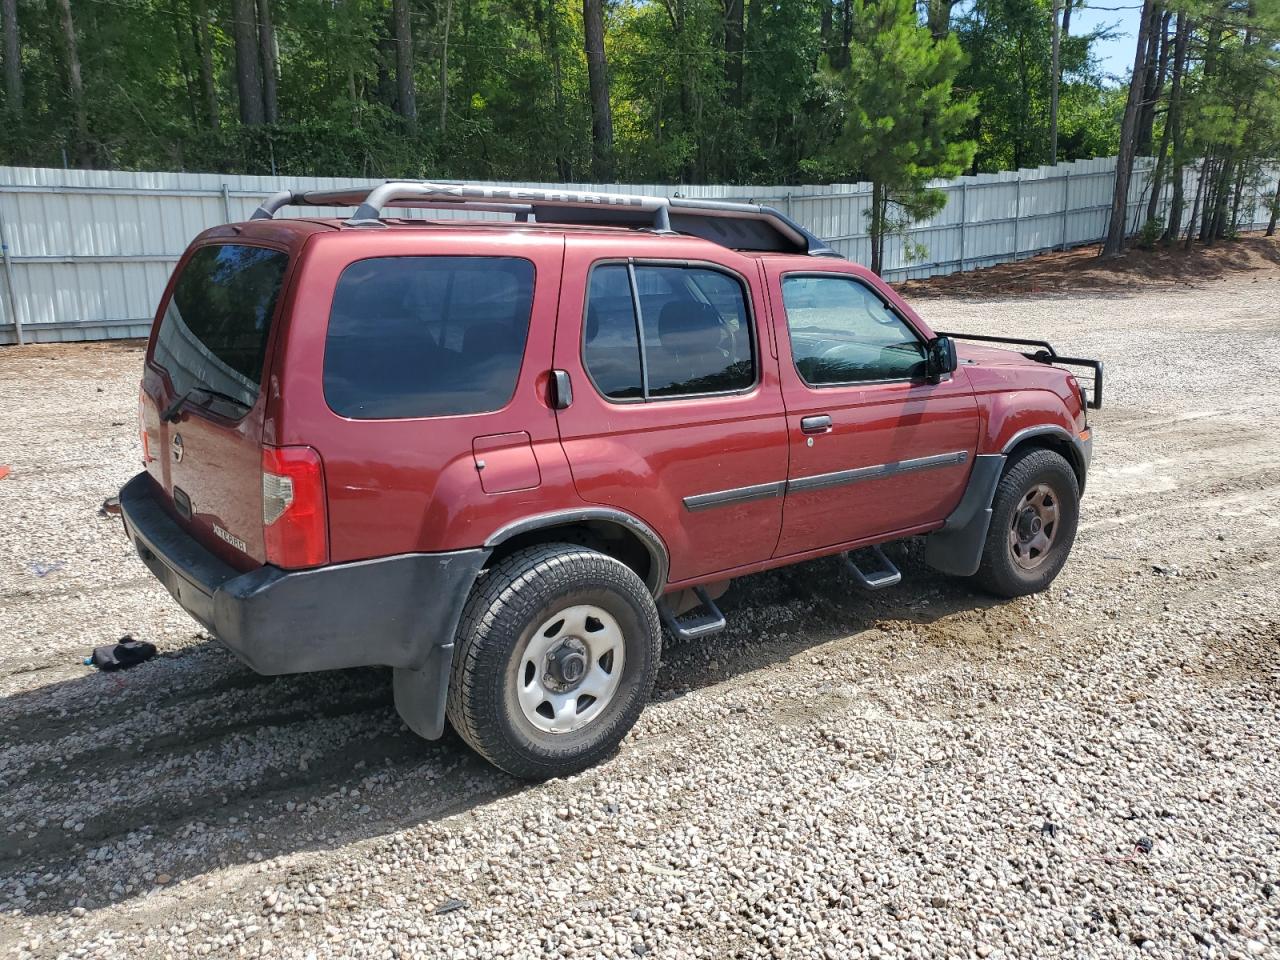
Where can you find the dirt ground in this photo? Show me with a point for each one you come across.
(922, 772)
(1082, 270)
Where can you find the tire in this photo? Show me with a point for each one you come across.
(510, 653)
(1012, 566)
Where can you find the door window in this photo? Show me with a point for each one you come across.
(841, 332)
(691, 334)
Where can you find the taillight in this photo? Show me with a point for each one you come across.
(142, 427)
(295, 521)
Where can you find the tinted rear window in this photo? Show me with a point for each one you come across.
(214, 330)
(427, 336)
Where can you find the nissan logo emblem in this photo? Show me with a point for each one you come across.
(176, 444)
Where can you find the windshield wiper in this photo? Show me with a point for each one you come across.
(170, 412)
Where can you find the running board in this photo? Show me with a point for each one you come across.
(882, 573)
(691, 625)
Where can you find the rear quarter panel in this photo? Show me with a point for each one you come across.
(411, 485)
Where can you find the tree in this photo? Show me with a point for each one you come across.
(598, 84)
(1117, 225)
(938, 16)
(267, 45)
(75, 84)
(204, 53)
(903, 124)
(1174, 129)
(248, 77)
(406, 97)
(12, 59)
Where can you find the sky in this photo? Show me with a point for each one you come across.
(1116, 54)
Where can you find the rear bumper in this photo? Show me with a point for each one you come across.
(397, 611)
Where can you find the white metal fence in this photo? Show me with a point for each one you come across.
(86, 254)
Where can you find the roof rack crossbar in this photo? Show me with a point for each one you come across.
(740, 225)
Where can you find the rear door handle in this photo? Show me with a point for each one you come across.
(816, 424)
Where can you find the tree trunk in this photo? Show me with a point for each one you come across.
(1275, 211)
(444, 68)
(75, 84)
(1173, 123)
(184, 64)
(734, 27)
(598, 84)
(12, 59)
(1153, 80)
(1118, 224)
(877, 227)
(1055, 78)
(1216, 215)
(248, 79)
(406, 100)
(267, 43)
(939, 18)
(1162, 154)
(204, 54)
(1241, 176)
(1195, 204)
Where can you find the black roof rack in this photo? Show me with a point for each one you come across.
(740, 226)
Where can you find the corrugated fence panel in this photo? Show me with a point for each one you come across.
(89, 251)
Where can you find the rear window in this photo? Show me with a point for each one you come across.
(427, 336)
(213, 335)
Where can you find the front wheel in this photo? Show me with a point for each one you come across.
(555, 658)
(1033, 524)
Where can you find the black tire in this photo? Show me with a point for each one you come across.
(1001, 572)
(506, 607)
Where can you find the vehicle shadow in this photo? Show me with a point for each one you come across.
(112, 785)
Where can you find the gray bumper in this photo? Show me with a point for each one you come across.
(397, 611)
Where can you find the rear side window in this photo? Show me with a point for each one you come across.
(213, 335)
(691, 335)
(427, 336)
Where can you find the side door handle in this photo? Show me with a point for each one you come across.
(820, 423)
(561, 390)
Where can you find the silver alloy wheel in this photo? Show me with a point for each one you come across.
(571, 669)
(1035, 526)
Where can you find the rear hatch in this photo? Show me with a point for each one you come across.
(202, 405)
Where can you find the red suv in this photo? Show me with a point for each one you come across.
(497, 455)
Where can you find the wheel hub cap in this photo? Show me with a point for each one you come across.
(1035, 526)
(567, 665)
(570, 668)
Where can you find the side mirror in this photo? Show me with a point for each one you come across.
(941, 359)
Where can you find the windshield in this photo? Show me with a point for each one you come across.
(214, 331)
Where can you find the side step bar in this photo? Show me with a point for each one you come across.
(691, 625)
(876, 570)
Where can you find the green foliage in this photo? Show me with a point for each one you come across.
(1150, 233)
(513, 101)
(902, 126)
(1008, 43)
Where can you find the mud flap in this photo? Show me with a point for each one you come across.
(421, 695)
(957, 548)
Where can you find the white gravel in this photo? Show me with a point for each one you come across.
(921, 773)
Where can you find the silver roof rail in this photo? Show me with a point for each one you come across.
(741, 226)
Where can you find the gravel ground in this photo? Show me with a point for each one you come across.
(923, 772)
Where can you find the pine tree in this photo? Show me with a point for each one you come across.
(904, 126)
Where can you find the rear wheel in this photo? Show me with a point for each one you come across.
(556, 655)
(1033, 524)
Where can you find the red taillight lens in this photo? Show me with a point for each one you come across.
(142, 427)
(295, 520)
